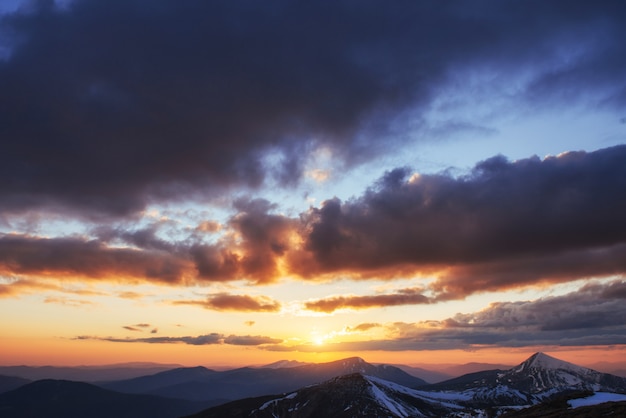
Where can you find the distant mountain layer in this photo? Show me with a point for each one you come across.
(199, 383)
(86, 373)
(66, 399)
(430, 376)
(539, 379)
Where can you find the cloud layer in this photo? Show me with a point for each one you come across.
(591, 316)
(504, 225)
(207, 339)
(110, 106)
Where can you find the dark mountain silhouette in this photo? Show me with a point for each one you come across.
(86, 373)
(204, 384)
(67, 399)
(457, 370)
(154, 382)
(8, 383)
(429, 376)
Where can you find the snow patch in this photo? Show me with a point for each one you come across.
(387, 402)
(441, 398)
(275, 401)
(597, 398)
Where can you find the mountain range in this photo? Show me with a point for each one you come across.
(541, 386)
(202, 384)
(86, 373)
(539, 379)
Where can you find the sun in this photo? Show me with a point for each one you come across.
(319, 340)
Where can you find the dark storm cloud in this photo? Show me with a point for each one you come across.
(460, 281)
(506, 224)
(70, 257)
(593, 306)
(228, 302)
(107, 106)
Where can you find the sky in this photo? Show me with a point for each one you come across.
(234, 183)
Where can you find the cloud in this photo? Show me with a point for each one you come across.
(241, 303)
(199, 99)
(366, 326)
(209, 226)
(504, 225)
(138, 327)
(402, 297)
(207, 339)
(68, 301)
(250, 340)
(13, 286)
(590, 316)
(130, 295)
(131, 328)
(79, 257)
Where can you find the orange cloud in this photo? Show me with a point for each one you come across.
(228, 302)
(207, 339)
(402, 297)
(364, 327)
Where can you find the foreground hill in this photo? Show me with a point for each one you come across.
(66, 399)
(202, 384)
(539, 379)
(8, 383)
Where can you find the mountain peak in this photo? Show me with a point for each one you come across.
(284, 364)
(543, 361)
(354, 360)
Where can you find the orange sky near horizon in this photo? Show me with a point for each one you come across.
(62, 352)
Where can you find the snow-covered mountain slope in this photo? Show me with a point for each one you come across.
(361, 394)
(539, 377)
(353, 395)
